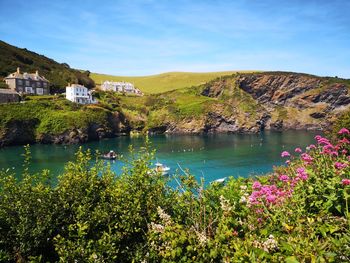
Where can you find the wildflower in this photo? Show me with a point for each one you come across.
(225, 204)
(164, 216)
(339, 165)
(302, 174)
(234, 233)
(344, 141)
(312, 146)
(270, 244)
(271, 198)
(157, 228)
(202, 238)
(307, 158)
(298, 150)
(243, 200)
(256, 185)
(287, 162)
(283, 178)
(243, 187)
(345, 181)
(343, 131)
(285, 154)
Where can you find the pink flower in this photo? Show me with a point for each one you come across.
(271, 198)
(312, 146)
(343, 131)
(302, 174)
(317, 137)
(344, 141)
(287, 162)
(256, 185)
(298, 150)
(345, 181)
(307, 158)
(285, 154)
(283, 178)
(339, 165)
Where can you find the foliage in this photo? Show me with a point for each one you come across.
(299, 213)
(58, 74)
(52, 115)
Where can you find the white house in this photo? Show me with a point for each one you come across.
(120, 87)
(79, 94)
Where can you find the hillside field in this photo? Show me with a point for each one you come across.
(164, 82)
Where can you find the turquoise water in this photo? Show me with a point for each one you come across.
(209, 156)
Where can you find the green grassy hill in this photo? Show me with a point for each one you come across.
(59, 74)
(164, 82)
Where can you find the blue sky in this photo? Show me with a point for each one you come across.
(150, 37)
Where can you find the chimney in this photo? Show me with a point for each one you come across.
(18, 70)
(37, 73)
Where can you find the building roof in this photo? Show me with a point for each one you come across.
(25, 75)
(8, 91)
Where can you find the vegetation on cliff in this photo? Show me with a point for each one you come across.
(54, 120)
(299, 213)
(58, 74)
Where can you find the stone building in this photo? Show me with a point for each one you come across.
(7, 96)
(28, 83)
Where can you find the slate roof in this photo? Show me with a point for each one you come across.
(8, 91)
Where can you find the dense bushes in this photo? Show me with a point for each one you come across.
(299, 213)
(50, 116)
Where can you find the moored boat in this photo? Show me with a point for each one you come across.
(111, 155)
(161, 168)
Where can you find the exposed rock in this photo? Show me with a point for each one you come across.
(276, 88)
(318, 115)
(19, 132)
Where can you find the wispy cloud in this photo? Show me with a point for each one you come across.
(148, 36)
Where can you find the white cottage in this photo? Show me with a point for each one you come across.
(79, 94)
(120, 87)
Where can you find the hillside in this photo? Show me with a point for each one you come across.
(248, 102)
(163, 82)
(58, 74)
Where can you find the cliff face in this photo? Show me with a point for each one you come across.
(276, 101)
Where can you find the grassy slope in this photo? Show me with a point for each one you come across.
(165, 81)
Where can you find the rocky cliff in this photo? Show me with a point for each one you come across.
(275, 101)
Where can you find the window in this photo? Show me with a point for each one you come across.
(20, 82)
(38, 84)
(39, 91)
(27, 82)
(29, 90)
(45, 84)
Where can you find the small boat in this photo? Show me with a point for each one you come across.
(220, 180)
(161, 168)
(111, 155)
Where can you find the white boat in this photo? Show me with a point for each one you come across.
(220, 181)
(161, 168)
(111, 155)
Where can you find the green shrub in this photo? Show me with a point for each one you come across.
(299, 213)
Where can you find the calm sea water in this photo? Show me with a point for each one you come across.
(209, 156)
